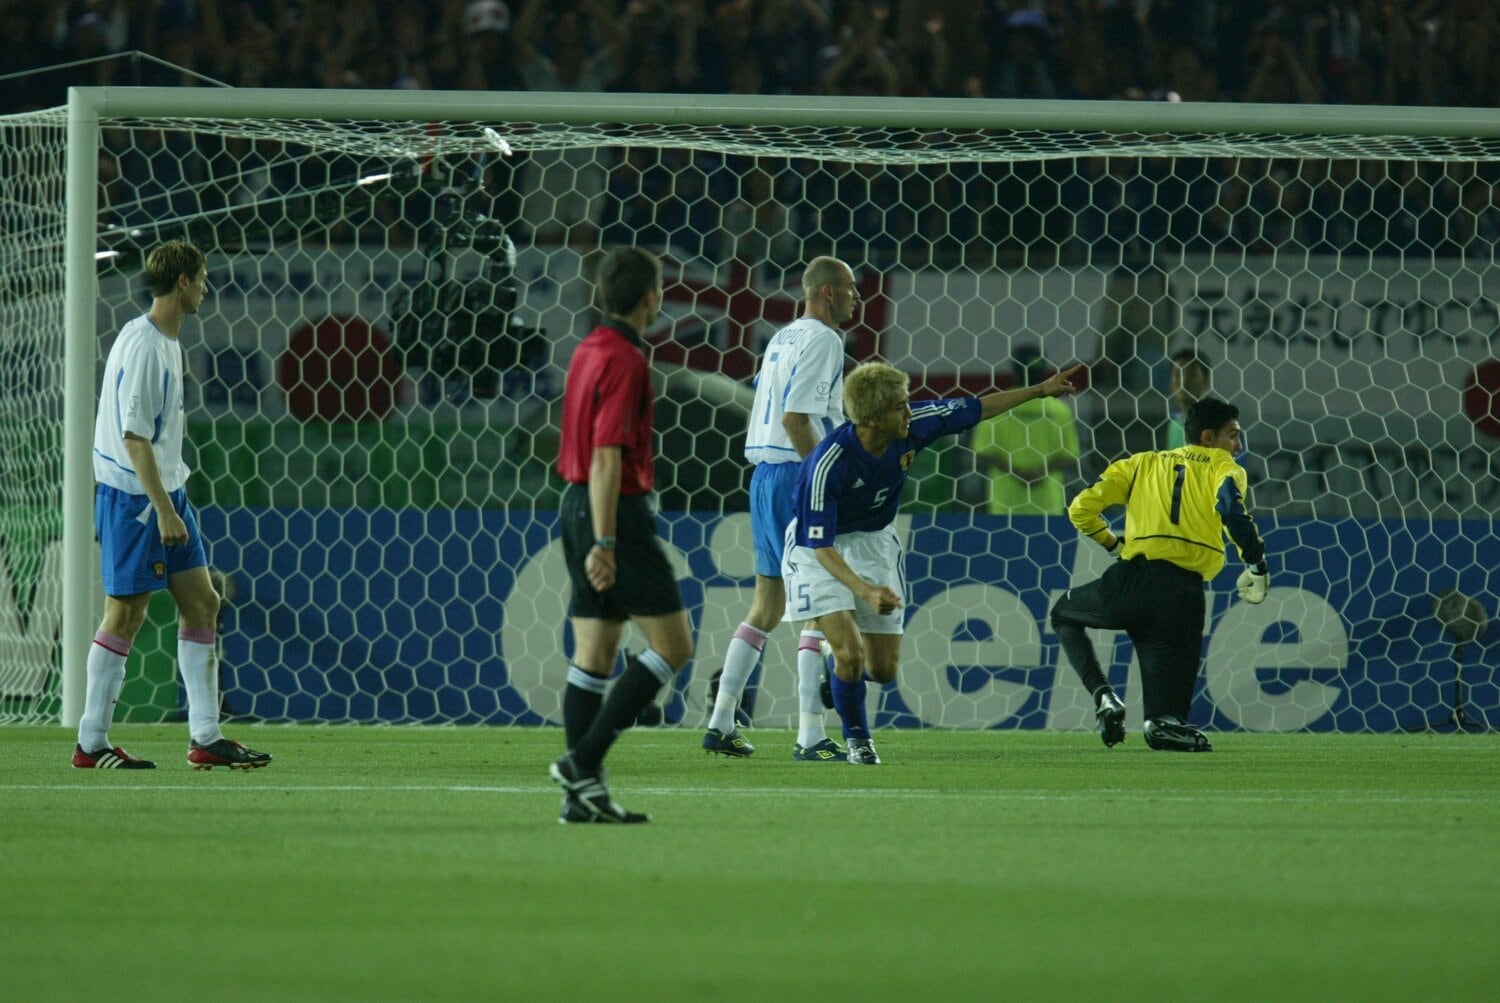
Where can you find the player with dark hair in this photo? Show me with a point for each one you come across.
(1179, 504)
(798, 393)
(843, 564)
(148, 533)
(616, 563)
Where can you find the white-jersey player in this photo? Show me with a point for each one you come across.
(798, 400)
(148, 533)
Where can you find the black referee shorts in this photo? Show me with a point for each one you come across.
(644, 583)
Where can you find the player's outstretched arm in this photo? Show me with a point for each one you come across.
(1056, 385)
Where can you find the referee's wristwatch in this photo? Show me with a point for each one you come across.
(605, 542)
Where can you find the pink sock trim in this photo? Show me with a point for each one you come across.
(111, 642)
(200, 635)
(755, 638)
(810, 642)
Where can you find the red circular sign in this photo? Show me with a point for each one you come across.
(340, 369)
(1482, 397)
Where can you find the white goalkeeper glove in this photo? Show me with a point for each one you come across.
(1113, 550)
(1253, 583)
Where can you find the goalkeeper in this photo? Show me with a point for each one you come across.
(1179, 503)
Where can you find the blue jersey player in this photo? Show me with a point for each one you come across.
(843, 565)
(798, 393)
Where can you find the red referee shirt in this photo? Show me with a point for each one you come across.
(608, 401)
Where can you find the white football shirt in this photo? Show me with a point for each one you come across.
(801, 372)
(142, 394)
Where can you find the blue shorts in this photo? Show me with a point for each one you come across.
(773, 497)
(132, 556)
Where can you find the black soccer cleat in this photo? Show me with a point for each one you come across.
(1168, 734)
(861, 752)
(108, 759)
(1111, 718)
(226, 752)
(575, 812)
(587, 798)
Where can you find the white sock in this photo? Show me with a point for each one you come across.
(744, 651)
(195, 650)
(106, 674)
(810, 709)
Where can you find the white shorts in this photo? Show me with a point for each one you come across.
(812, 592)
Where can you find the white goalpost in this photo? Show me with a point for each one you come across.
(398, 278)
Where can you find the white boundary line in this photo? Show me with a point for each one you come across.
(1092, 795)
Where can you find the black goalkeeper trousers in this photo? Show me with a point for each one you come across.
(1160, 606)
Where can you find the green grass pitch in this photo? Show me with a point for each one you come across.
(372, 863)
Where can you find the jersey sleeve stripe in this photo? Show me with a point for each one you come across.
(820, 476)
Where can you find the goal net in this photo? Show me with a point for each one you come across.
(31, 414)
(397, 283)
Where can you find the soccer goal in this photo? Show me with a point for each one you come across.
(398, 279)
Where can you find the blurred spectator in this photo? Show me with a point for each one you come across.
(637, 185)
(570, 46)
(1103, 210)
(859, 60)
(578, 47)
(1102, 48)
(1190, 381)
(1280, 75)
(1022, 60)
(851, 211)
(1355, 51)
(686, 46)
(1188, 78)
(1120, 219)
(488, 60)
(926, 61)
(1138, 312)
(1030, 450)
(160, 176)
(774, 42)
(759, 227)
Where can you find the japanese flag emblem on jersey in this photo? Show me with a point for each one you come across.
(815, 532)
(906, 459)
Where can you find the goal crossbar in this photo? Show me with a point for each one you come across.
(912, 129)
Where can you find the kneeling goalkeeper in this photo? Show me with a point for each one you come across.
(1179, 504)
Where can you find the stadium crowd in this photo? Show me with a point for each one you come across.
(697, 205)
(1422, 52)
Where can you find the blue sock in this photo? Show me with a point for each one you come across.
(849, 701)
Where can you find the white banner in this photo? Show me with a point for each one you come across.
(1380, 339)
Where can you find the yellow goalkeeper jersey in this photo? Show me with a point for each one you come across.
(1176, 504)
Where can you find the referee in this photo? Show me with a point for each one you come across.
(608, 525)
(1179, 503)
